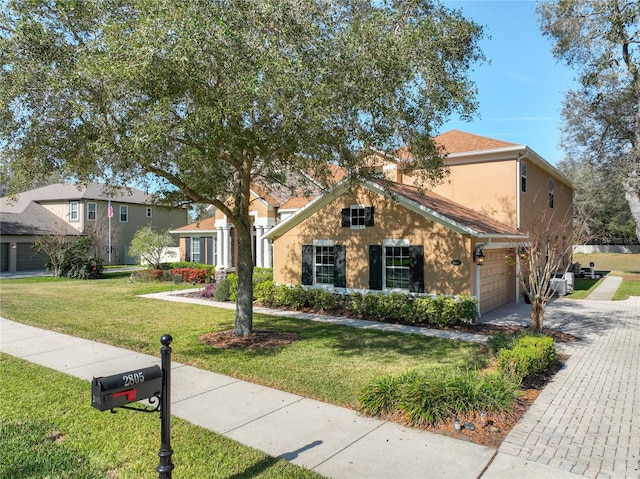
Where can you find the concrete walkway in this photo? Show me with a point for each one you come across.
(606, 289)
(586, 423)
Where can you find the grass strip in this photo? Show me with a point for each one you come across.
(49, 429)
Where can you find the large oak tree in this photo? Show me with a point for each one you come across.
(200, 99)
(601, 39)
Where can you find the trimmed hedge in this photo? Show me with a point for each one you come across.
(529, 355)
(395, 307)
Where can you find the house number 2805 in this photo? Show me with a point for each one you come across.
(131, 379)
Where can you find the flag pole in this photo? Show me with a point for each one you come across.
(110, 214)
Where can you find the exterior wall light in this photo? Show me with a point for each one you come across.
(478, 255)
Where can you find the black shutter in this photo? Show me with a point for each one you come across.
(368, 216)
(210, 254)
(187, 249)
(339, 266)
(375, 267)
(346, 217)
(416, 269)
(307, 264)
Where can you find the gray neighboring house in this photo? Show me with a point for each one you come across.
(73, 210)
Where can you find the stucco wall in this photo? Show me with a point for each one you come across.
(441, 245)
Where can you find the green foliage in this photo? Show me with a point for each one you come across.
(437, 395)
(150, 246)
(79, 261)
(394, 307)
(222, 292)
(529, 355)
(260, 275)
(233, 286)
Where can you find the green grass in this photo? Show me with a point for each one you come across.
(49, 429)
(614, 264)
(330, 363)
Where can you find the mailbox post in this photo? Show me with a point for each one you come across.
(166, 466)
(153, 383)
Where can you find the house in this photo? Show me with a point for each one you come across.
(69, 209)
(460, 237)
(213, 240)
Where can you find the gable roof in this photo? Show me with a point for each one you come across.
(433, 207)
(204, 226)
(456, 141)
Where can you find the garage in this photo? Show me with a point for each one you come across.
(497, 279)
(4, 257)
(28, 259)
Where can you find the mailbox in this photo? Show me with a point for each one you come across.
(108, 392)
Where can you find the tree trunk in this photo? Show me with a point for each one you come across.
(244, 304)
(632, 194)
(537, 313)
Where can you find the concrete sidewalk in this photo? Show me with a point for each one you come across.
(331, 440)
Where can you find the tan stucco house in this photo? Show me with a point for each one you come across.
(70, 209)
(363, 239)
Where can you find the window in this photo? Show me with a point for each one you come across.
(396, 267)
(324, 262)
(195, 250)
(523, 177)
(551, 192)
(73, 211)
(92, 211)
(124, 213)
(357, 217)
(149, 212)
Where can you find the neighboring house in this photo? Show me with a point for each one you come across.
(74, 210)
(361, 239)
(213, 240)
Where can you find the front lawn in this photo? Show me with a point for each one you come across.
(330, 363)
(48, 429)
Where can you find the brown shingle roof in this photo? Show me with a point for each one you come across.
(296, 202)
(207, 224)
(456, 141)
(456, 212)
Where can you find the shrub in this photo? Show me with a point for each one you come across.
(264, 293)
(529, 355)
(79, 261)
(437, 395)
(222, 291)
(152, 275)
(210, 270)
(260, 275)
(322, 300)
(209, 290)
(233, 286)
(191, 275)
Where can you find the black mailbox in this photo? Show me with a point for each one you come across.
(108, 392)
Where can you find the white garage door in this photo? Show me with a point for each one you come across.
(496, 280)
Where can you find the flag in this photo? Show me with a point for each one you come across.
(110, 210)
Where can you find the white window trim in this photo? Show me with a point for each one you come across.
(356, 207)
(124, 208)
(322, 242)
(392, 242)
(95, 211)
(195, 240)
(552, 193)
(523, 166)
(72, 211)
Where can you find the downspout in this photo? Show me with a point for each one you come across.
(518, 193)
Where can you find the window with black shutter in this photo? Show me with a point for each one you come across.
(375, 267)
(357, 217)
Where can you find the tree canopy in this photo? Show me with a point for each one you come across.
(601, 40)
(200, 99)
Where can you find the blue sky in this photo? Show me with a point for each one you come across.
(521, 91)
